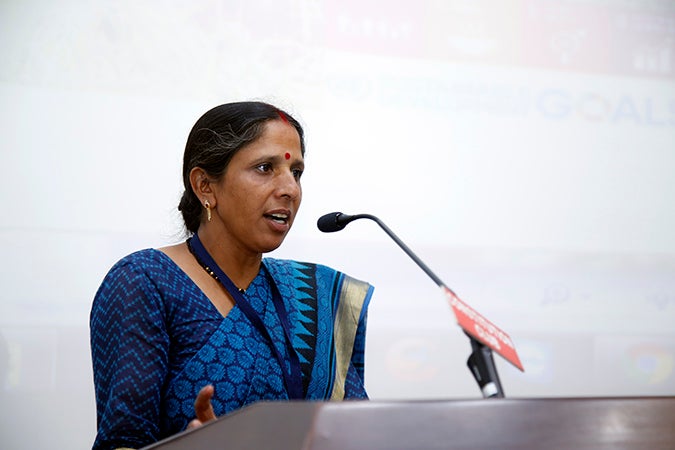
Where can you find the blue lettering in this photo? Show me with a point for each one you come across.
(554, 104)
(505, 100)
(593, 107)
(626, 110)
(649, 114)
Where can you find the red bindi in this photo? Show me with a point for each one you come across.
(287, 155)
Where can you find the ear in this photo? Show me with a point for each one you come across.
(201, 186)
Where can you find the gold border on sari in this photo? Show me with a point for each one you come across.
(352, 297)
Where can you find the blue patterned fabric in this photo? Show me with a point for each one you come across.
(156, 340)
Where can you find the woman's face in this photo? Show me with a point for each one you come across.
(259, 195)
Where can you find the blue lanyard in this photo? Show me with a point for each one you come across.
(292, 377)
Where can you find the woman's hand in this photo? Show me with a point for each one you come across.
(203, 408)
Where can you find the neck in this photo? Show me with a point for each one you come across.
(240, 265)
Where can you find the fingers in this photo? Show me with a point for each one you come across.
(194, 423)
(203, 407)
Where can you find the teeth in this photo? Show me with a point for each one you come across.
(280, 216)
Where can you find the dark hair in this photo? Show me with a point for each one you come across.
(216, 137)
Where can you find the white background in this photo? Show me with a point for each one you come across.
(525, 149)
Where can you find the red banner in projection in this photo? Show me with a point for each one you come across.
(482, 329)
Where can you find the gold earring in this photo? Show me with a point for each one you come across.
(207, 205)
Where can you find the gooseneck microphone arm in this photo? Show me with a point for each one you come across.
(337, 221)
(480, 363)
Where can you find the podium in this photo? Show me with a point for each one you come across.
(555, 423)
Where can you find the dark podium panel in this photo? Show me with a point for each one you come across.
(563, 423)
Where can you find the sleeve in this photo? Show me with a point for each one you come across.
(129, 345)
(358, 354)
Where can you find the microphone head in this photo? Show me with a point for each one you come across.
(330, 223)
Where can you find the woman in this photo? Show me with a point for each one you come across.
(210, 319)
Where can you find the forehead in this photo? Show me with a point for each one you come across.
(277, 137)
(281, 129)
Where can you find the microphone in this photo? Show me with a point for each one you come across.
(333, 222)
(480, 363)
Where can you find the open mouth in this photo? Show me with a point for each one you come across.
(278, 218)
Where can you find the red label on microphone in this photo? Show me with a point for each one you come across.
(482, 329)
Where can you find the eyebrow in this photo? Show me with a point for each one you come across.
(275, 158)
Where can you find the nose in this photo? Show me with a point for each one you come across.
(288, 185)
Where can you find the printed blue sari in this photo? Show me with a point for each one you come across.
(157, 340)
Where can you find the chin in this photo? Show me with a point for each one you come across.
(270, 242)
(271, 246)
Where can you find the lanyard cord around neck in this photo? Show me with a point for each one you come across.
(292, 377)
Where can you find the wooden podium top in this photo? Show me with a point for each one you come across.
(560, 423)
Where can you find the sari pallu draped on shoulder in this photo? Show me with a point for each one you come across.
(326, 310)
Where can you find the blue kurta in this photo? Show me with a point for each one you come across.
(156, 340)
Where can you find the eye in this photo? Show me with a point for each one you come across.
(264, 167)
(297, 173)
